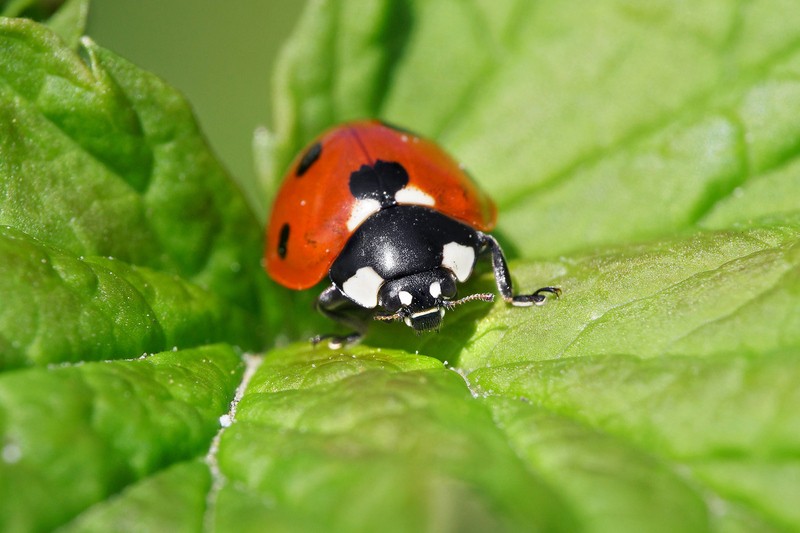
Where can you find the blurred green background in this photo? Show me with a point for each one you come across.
(219, 54)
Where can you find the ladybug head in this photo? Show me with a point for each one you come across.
(421, 299)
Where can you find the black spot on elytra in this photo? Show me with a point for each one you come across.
(380, 182)
(283, 238)
(308, 159)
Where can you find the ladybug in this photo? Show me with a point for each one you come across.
(393, 221)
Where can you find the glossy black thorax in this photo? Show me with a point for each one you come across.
(401, 240)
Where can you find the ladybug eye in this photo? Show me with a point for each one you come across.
(446, 287)
(283, 238)
(308, 159)
(393, 303)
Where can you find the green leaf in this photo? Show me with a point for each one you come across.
(728, 424)
(706, 294)
(67, 18)
(70, 21)
(104, 159)
(170, 500)
(85, 432)
(378, 440)
(57, 308)
(643, 157)
(38, 10)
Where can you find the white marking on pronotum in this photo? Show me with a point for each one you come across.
(413, 196)
(362, 210)
(436, 289)
(405, 297)
(363, 287)
(459, 259)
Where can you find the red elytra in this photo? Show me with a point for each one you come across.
(309, 222)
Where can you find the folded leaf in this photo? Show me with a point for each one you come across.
(101, 158)
(59, 309)
(70, 21)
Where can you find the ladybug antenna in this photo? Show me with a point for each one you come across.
(446, 304)
(482, 296)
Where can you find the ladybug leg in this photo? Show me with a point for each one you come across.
(336, 306)
(503, 278)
